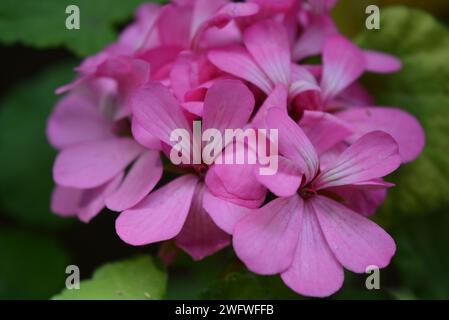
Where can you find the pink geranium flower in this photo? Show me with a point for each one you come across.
(176, 210)
(307, 235)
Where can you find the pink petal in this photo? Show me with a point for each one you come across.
(381, 62)
(402, 126)
(194, 107)
(204, 10)
(328, 158)
(221, 19)
(373, 156)
(174, 25)
(286, 181)
(200, 236)
(276, 99)
(139, 33)
(311, 41)
(92, 164)
(271, 7)
(221, 37)
(160, 216)
(189, 71)
(92, 201)
(355, 241)
(159, 58)
(302, 81)
(293, 143)
(236, 183)
(362, 200)
(140, 180)
(314, 271)
(77, 118)
(324, 130)
(234, 11)
(354, 95)
(143, 137)
(65, 201)
(265, 240)
(182, 75)
(343, 63)
(239, 63)
(128, 72)
(268, 43)
(321, 6)
(224, 213)
(159, 113)
(223, 110)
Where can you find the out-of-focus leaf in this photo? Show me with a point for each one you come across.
(189, 278)
(140, 278)
(236, 286)
(422, 257)
(26, 157)
(354, 287)
(422, 88)
(248, 286)
(351, 15)
(32, 266)
(217, 277)
(42, 23)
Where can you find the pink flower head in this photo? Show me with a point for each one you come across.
(309, 234)
(236, 66)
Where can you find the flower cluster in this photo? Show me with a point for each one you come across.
(236, 65)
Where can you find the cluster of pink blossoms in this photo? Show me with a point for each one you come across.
(236, 65)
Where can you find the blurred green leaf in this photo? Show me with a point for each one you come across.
(140, 278)
(26, 157)
(422, 257)
(189, 278)
(422, 88)
(354, 287)
(218, 276)
(32, 266)
(42, 23)
(350, 15)
(248, 286)
(236, 286)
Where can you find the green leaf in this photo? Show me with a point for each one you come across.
(354, 287)
(32, 266)
(189, 278)
(26, 157)
(422, 88)
(139, 278)
(422, 257)
(236, 286)
(42, 23)
(244, 285)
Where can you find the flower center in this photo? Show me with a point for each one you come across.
(306, 192)
(201, 170)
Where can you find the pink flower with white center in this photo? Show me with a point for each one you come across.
(307, 235)
(176, 209)
(94, 152)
